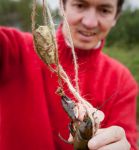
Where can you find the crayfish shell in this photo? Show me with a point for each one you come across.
(44, 44)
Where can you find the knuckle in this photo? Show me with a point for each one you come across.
(118, 132)
(122, 130)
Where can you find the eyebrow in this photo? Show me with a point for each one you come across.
(104, 5)
(107, 6)
(80, 1)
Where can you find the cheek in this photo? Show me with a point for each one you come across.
(73, 18)
(105, 26)
(106, 23)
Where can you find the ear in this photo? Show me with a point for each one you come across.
(60, 12)
(114, 22)
(61, 6)
(116, 19)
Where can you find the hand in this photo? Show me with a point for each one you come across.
(112, 138)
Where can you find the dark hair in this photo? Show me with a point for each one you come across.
(119, 5)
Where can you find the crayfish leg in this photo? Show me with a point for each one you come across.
(72, 129)
(66, 141)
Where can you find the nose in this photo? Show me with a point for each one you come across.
(90, 19)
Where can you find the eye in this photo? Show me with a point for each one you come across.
(79, 6)
(105, 11)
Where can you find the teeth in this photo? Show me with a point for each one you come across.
(88, 33)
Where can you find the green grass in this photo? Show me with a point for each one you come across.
(130, 58)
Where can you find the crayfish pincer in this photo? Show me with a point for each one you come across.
(81, 131)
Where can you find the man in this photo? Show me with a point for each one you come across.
(91, 23)
(31, 112)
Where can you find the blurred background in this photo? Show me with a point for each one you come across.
(122, 43)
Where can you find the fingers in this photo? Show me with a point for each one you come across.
(120, 145)
(99, 114)
(106, 136)
(82, 111)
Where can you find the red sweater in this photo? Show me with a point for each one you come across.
(31, 115)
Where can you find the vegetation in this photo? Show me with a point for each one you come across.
(126, 31)
(17, 13)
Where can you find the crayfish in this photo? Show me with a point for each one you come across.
(81, 131)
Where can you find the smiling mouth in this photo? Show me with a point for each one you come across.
(87, 34)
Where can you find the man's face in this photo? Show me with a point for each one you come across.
(90, 21)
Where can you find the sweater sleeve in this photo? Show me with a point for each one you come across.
(13, 43)
(123, 112)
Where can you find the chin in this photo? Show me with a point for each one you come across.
(85, 46)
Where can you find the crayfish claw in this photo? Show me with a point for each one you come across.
(69, 107)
